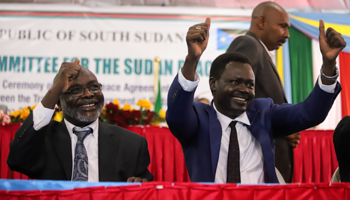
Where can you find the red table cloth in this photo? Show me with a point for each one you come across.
(189, 191)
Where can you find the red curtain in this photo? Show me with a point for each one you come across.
(344, 62)
(7, 133)
(167, 160)
(314, 158)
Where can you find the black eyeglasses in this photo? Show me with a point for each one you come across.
(78, 91)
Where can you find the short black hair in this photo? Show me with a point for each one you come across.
(219, 64)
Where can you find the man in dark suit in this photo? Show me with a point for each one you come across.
(341, 140)
(232, 139)
(268, 31)
(79, 147)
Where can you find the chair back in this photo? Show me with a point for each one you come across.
(3, 107)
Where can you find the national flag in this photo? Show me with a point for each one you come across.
(157, 87)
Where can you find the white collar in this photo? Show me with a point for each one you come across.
(93, 125)
(225, 121)
(270, 54)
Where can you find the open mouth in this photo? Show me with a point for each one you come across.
(240, 100)
(88, 106)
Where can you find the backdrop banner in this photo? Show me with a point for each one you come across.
(118, 48)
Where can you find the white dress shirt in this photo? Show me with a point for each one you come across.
(268, 52)
(42, 117)
(250, 152)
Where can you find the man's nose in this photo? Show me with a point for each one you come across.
(286, 34)
(87, 92)
(243, 88)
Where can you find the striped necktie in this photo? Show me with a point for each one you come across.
(80, 168)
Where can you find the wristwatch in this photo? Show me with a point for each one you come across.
(330, 78)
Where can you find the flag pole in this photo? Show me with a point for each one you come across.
(156, 78)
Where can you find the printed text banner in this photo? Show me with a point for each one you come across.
(119, 50)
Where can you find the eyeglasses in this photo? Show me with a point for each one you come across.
(78, 91)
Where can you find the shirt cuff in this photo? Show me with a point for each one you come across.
(187, 85)
(326, 88)
(41, 116)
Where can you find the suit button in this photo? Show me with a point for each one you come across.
(174, 95)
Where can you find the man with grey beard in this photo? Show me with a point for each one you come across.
(80, 147)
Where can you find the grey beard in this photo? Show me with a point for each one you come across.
(73, 112)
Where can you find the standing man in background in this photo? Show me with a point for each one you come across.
(269, 31)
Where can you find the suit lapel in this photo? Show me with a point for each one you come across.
(260, 133)
(265, 52)
(215, 133)
(107, 151)
(262, 46)
(62, 144)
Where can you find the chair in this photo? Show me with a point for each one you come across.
(280, 177)
(3, 107)
(336, 176)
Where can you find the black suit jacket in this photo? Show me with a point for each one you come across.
(47, 153)
(267, 84)
(267, 80)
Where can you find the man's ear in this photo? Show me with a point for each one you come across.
(212, 84)
(261, 22)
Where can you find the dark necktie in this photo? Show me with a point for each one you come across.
(233, 172)
(80, 168)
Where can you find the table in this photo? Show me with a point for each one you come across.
(35, 190)
(314, 158)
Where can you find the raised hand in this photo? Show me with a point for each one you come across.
(65, 76)
(63, 80)
(197, 39)
(331, 43)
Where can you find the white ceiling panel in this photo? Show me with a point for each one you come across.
(317, 5)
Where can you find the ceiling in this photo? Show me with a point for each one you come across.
(342, 6)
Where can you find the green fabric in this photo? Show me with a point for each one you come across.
(300, 50)
(158, 103)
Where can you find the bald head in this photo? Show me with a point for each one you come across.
(83, 72)
(270, 23)
(264, 8)
(86, 72)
